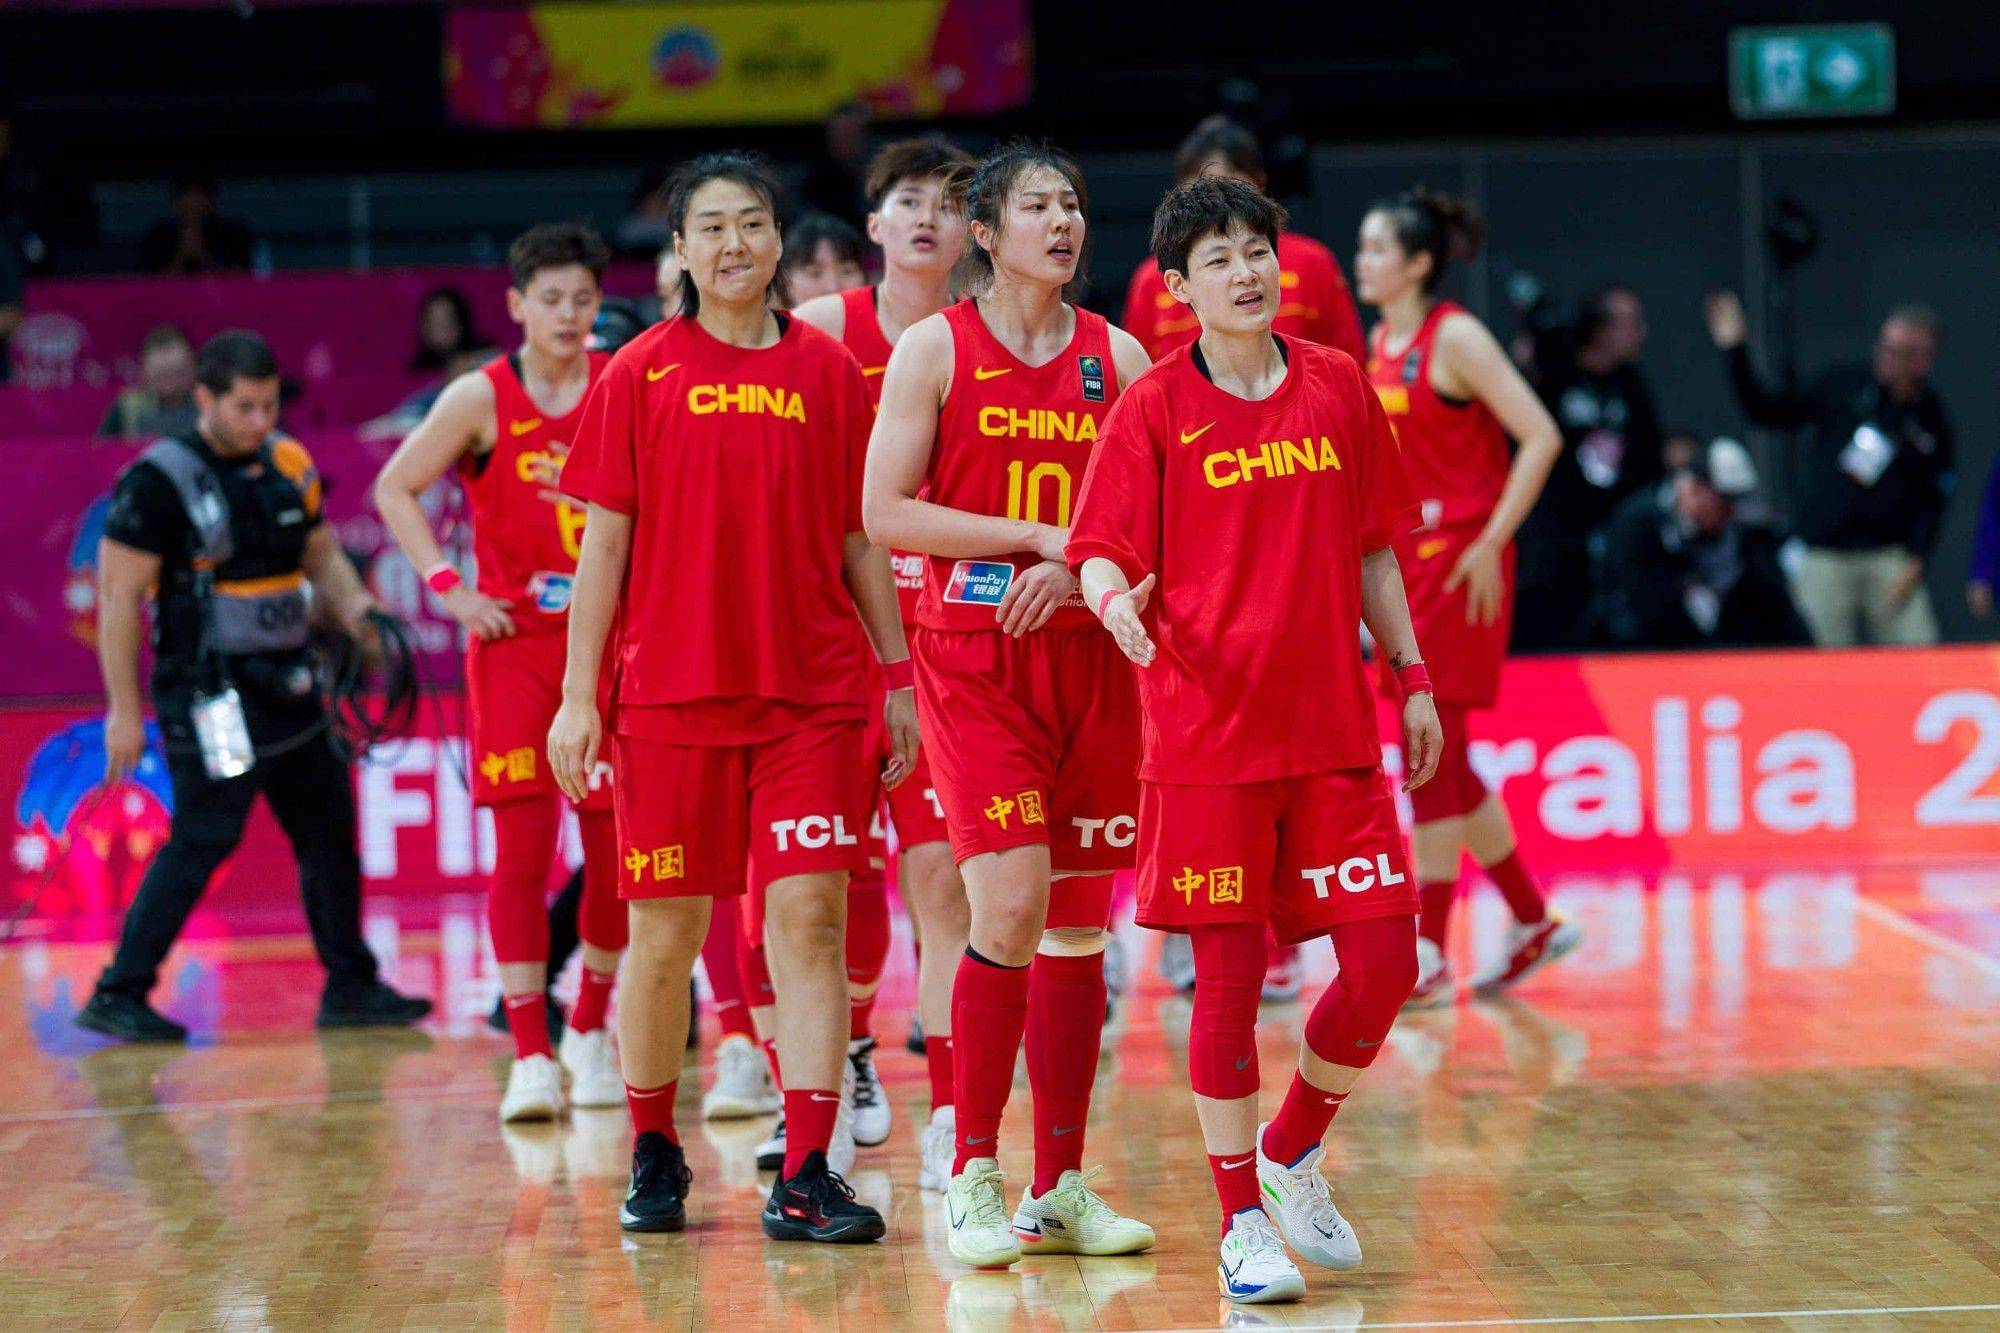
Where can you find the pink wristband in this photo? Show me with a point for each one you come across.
(899, 675)
(1105, 600)
(443, 579)
(1412, 678)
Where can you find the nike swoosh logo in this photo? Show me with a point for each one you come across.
(1425, 550)
(519, 428)
(987, 1139)
(655, 376)
(1364, 1045)
(1061, 1130)
(869, 372)
(982, 373)
(1231, 1166)
(1244, 1063)
(822, 1097)
(1190, 436)
(957, 1218)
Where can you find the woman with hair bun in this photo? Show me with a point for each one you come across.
(1455, 398)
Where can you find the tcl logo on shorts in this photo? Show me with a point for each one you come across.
(812, 832)
(1357, 874)
(1119, 831)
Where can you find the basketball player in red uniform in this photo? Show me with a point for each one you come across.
(1314, 305)
(1455, 398)
(1234, 525)
(506, 430)
(988, 412)
(916, 221)
(720, 454)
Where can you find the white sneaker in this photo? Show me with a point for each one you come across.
(1304, 1207)
(840, 1148)
(1255, 1270)
(937, 1148)
(870, 1105)
(977, 1213)
(592, 1067)
(534, 1091)
(1530, 948)
(742, 1086)
(771, 1152)
(1072, 1219)
(1177, 961)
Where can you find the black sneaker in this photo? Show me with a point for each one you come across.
(119, 1015)
(914, 1043)
(771, 1152)
(657, 1200)
(497, 1020)
(816, 1204)
(372, 1006)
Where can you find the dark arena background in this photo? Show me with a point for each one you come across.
(1748, 733)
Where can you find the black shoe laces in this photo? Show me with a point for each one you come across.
(829, 1188)
(650, 1168)
(867, 1088)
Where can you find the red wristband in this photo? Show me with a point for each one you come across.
(1105, 600)
(899, 675)
(1412, 678)
(443, 579)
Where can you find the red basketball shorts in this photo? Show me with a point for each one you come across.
(911, 806)
(1033, 741)
(513, 688)
(1463, 660)
(1303, 854)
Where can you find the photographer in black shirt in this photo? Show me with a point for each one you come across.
(225, 523)
(1875, 471)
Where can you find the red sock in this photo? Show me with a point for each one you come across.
(725, 977)
(1235, 1184)
(603, 920)
(653, 1110)
(1434, 897)
(989, 1007)
(808, 1124)
(1518, 887)
(867, 947)
(1065, 1030)
(1301, 1121)
(593, 998)
(937, 1054)
(528, 1020)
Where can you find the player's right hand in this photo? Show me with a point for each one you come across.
(1121, 617)
(1033, 597)
(1423, 739)
(574, 739)
(124, 746)
(483, 616)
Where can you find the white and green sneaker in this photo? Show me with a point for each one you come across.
(977, 1212)
(1298, 1198)
(1255, 1270)
(1073, 1219)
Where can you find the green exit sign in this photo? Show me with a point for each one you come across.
(1825, 69)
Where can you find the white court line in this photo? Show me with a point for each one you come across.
(1660, 1318)
(1912, 929)
(247, 1103)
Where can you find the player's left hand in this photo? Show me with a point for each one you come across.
(1033, 597)
(1479, 570)
(359, 623)
(1423, 740)
(899, 711)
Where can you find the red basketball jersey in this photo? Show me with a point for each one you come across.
(1455, 453)
(1012, 440)
(861, 333)
(525, 533)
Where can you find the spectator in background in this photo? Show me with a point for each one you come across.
(162, 402)
(444, 330)
(1588, 375)
(822, 256)
(647, 225)
(1983, 575)
(401, 419)
(1678, 567)
(835, 182)
(1873, 478)
(196, 238)
(1313, 300)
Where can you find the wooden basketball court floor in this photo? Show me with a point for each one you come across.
(1758, 1100)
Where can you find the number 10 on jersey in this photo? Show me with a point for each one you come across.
(1026, 486)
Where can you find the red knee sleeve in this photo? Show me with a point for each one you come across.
(517, 900)
(1378, 969)
(867, 928)
(602, 920)
(1455, 789)
(1229, 963)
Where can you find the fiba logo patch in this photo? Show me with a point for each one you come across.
(685, 57)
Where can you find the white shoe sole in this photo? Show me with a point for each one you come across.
(993, 1258)
(736, 1108)
(1284, 1289)
(530, 1110)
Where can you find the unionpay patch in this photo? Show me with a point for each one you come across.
(980, 582)
(551, 591)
